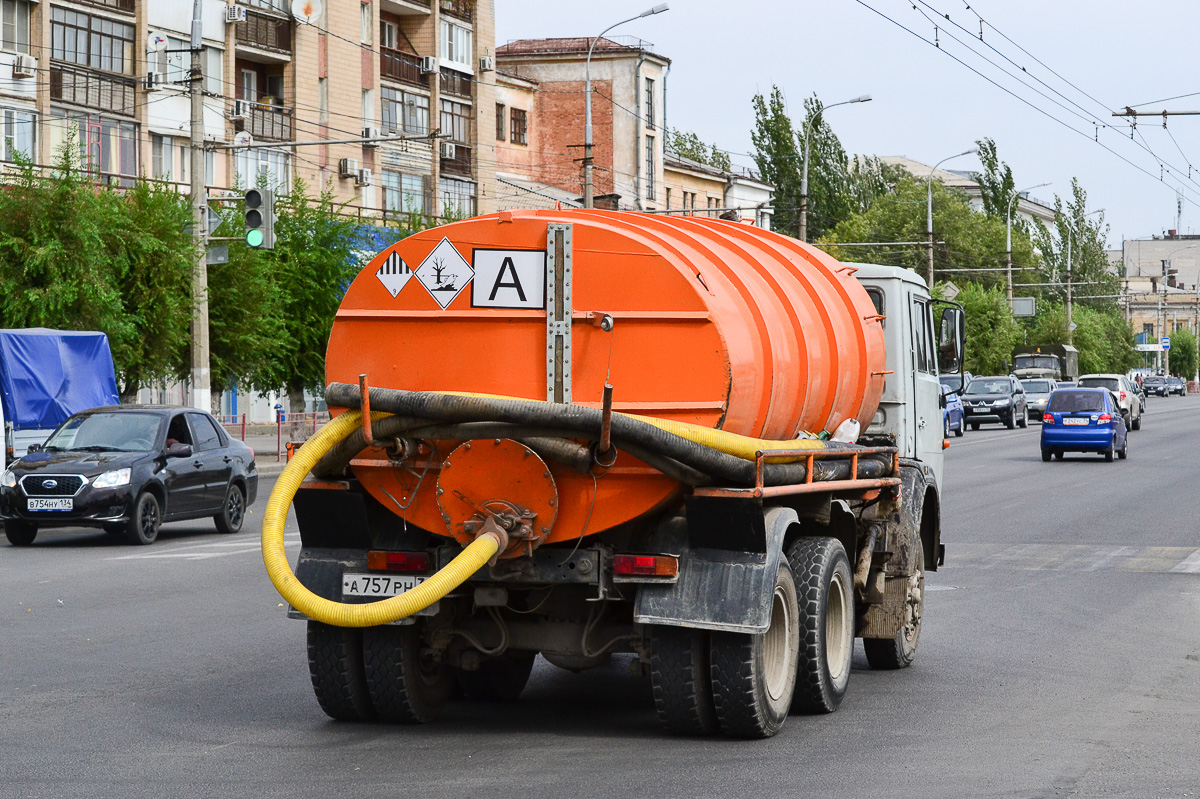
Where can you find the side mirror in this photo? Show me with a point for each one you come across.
(952, 338)
(179, 451)
(34, 448)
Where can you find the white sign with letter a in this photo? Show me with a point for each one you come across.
(509, 279)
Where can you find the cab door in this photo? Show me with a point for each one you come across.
(927, 390)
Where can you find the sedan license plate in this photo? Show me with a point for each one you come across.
(64, 503)
(379, 585)
(1074, 420)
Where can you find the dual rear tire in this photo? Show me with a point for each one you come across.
(745, 685)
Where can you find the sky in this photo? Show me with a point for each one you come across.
(926, 105)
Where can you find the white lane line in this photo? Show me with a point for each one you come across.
(1106, 558)
(191, 553)
(1189, 565)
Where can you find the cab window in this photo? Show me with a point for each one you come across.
(206, 435)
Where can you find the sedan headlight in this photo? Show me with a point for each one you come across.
(1002, 401)
(113, 479)
(8, 479)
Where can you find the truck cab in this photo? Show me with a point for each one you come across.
(917, 352)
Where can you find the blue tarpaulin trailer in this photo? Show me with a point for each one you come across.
(47, 375)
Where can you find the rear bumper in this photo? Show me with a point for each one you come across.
(1085, 440)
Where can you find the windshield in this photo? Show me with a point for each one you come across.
(953, 382)
(1154, 381)
(1111, 383)
(996, 386)
(106, 432)
(1076, 402)
(1036, 386)
(1036, 362)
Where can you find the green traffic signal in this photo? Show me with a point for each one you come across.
(254, 237)
(259, 216)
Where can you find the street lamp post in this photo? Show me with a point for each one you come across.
(866, 98)
(1160, 320)
(1070, 238)
(1008, 237)
(587, 94)
(929, 204)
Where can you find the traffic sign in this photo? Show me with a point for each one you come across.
(1166, 342)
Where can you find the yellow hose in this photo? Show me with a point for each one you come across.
(456, 572)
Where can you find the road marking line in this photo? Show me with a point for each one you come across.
(186, 555)
(1107, 558)
(1189, 565)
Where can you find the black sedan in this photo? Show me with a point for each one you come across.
(1156, 385)
(127, 470)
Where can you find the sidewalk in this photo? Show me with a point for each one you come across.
(265, 450)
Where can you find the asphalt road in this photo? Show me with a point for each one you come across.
(1059, 658)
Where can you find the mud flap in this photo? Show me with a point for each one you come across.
(721, 589)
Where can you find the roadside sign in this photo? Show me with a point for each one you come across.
(218, 254)
(950, 291)
(1166, 342)
(1147, 347)
(1024, 306)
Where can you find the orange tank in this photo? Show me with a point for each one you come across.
(715, 323)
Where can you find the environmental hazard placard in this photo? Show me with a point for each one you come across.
(444, 272)
(509, 279)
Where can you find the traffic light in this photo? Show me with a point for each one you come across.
(260, 218)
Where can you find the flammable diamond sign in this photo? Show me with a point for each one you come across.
(444, 273)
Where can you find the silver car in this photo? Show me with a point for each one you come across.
(1037, 394)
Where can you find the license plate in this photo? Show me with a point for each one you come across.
(1070, 420)
(65, 503)
(379, 585)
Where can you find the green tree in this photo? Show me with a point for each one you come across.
(991, 331)
(996, 185)
(1183, 352)
(777, 155)
(1093, 283)
(688, 145)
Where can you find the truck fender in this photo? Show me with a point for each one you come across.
(721, 589)
(920, 512)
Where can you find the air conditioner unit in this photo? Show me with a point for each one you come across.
(240, 109)
(428, 64)
(487, 64)
(234, 14)
(25, 66)
(448, 150)
(370, 133)
(348, 167)
(363, 178)
(152, 81)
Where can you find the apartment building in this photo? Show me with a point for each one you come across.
(113, 74)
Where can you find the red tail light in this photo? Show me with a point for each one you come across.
(379, 560)
(1122, 395)
(1047, 418)
(1104, 418)
(646, 565)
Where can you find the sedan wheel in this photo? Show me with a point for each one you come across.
(962, 428)
(19, 533)
(233, 511)
(144, 521)
(1123, 452)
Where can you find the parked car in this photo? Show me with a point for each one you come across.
(1084, 420)
(1177, 385)
(956, 381)
(128, 469)
(1126, 392)
(952, 413)
(995, 399)
(1037, 394)
(1156, 385)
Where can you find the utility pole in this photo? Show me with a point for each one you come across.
(437, 208)
(201, 386)
(1070, 322)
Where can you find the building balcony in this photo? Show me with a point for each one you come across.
(401, 66)
(265, 32)
(92, 89)
(460, 164)
(404, 8)
(463, 9)
(268, 121)
(456, 84)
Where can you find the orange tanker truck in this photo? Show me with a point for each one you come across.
(587, 433)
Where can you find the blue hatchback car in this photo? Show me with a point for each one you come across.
(1084, 420)
(952, 413)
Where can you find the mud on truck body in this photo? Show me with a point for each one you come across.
(611, 436)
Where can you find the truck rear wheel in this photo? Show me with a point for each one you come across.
(335, 663)
(500, 679)
(405, 684)
(754, 675)
(823, 580)
(682, 680)
(900, 651)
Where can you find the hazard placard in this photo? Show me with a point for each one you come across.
(509, 279)
(394, 273)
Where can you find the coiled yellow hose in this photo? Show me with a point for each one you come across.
(456, 572)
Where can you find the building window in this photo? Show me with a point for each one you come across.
(368, 108)
(668, 206)
(456, 121)
(500, 125)
(519, 125)
(91, 41)
(175, 63)
(20, 131)
(404, 112)
(650, 103)
(365, 14)
(249, 85)
(164, 150)
(387, 35)
(712, 205)
(458, 197)
(1148, 330)
(456, 46)
(14, 25)
(106, 146)
(269, 164)
(403, 194)
(650, 169)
